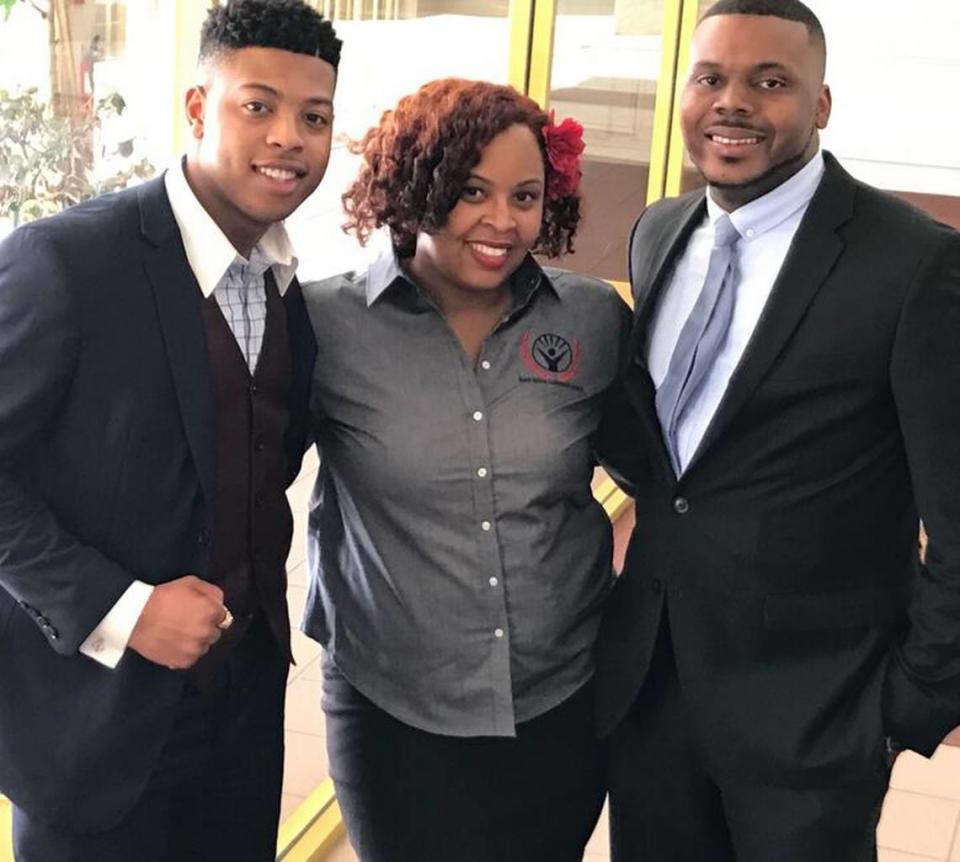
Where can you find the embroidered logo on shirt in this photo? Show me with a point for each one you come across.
(551, 357)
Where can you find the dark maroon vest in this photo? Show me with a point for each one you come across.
(250, 517)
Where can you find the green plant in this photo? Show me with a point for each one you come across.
(46, 159)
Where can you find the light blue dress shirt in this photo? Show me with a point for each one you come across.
(767, 226)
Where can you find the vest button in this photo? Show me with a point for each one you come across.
(681, 505)
(259, 445)
(253, 388)
(657, 586)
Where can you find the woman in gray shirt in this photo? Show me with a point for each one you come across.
(458, 558)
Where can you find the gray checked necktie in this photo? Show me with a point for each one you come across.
(701, 338)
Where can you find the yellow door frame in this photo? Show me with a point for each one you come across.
(521, 29)
(675, 154)
(541, 51)
(6, 831)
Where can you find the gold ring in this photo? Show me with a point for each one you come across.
(227, 620)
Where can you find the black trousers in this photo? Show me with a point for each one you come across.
(215, 793)
(411, 796)
(666, 806)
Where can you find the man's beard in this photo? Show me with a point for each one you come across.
(771, 177)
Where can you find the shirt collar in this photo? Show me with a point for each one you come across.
(381, 274)
(209, 252)
(772, 209)
(386, 269)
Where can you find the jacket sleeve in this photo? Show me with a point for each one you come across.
(620, 442)
(922, 692)
(64, 586)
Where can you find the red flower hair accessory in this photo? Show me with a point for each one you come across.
(564, 144)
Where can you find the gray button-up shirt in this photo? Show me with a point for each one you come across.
(458, 557)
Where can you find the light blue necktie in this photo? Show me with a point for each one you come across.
(701, 338)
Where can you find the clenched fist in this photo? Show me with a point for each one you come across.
(179, 622)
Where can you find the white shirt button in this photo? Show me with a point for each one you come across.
(494, 582)
(485, 526)
(477, 416)
(485, 365)
(482, 472)
(498, 633)
(750, 232)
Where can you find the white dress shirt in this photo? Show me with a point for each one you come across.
(767, 226)
(238, 286)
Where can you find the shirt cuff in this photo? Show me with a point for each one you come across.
(108, 641)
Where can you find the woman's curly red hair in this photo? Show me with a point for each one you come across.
(418, 159)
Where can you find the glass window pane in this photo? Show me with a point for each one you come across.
(606, 64)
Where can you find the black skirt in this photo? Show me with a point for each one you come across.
(411, 796)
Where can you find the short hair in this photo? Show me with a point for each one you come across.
(417, 160)
(290, 25)
(788, 10)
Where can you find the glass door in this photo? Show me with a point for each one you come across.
(610, 64)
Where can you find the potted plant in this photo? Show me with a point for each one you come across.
(46, 159)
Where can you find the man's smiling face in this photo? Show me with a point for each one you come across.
(753, 103)
(262, 123)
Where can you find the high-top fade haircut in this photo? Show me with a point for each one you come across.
(290, 25)
(788, 10)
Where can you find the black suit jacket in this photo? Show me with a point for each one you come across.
(785, 556)
(107, 465)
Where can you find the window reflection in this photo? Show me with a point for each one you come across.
(605, 69)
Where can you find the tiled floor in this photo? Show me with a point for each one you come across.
(921, 818)
(305, 764)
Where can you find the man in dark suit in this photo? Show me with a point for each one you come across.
(155, 357)
(790, 406)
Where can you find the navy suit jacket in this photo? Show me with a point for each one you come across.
(786, 555)
(107, 466)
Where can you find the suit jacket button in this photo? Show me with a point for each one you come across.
(681, 505)
(657, 586)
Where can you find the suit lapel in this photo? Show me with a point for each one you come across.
(651, 261)
(811, 257)
(652, 258)
(177, 297)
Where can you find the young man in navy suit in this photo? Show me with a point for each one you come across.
(155, 357)
(790, 408)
